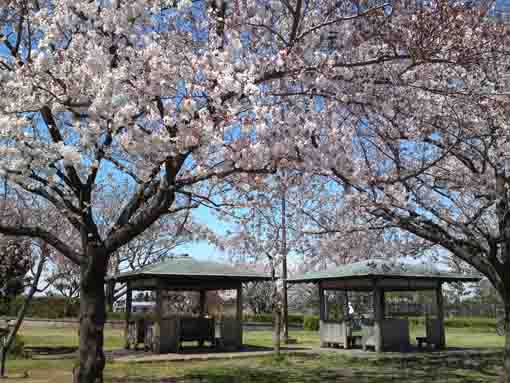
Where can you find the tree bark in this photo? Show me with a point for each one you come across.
(21, 315)
(277, 331)
(92, 317)
(285, 307)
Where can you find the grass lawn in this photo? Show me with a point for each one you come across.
(455, 337)
(327, 368)
(68, 337)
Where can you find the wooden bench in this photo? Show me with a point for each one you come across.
(420, 340)
(354, 340)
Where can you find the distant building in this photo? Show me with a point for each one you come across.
(136, 307)
(501, 11)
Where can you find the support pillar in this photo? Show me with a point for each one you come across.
(326, 306)
(440, 316)
(383, 304)
(321, 311)
(378, 317)
(202, 303)
(158, 311)
(129, 299)
(346, 313)
(239, 314)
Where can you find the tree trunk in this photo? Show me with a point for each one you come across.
(285, 307)
(277, 331)
(20, 316)
(277, 320)
(3, 360)
(92, 317)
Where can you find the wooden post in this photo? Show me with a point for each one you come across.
(378, 317)
(129, 299)
(239, 314)
(202, 303)
(321, 313)
(383, 305)
(158, 316)
(440, 316)
(326, 306)
(346, 312)
(321, 304)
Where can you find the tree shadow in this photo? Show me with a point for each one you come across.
(312, 369)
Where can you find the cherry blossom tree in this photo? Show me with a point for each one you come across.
(65, 280)
(163, 100)
(268, 225)
(102, 95)
(257, 296)
(422, 145)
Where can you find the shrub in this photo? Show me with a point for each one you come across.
(116, 315)
(311, 323)
(47, 307)
(133, 316)
(259, 318)
(296, 319)
(478, 323)
(268, 318)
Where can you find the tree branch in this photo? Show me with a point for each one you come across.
(46, 236)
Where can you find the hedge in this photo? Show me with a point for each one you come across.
(56, 307)
(478, 323)
(46, 307)
(268, 318)
(311, 323)
(133, 316)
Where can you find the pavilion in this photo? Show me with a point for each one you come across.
(183, 273)
(377, 277)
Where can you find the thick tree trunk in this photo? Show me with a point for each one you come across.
(92, 317)
(277, 331)
(3, 360)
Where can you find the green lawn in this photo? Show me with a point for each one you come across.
(68, 337)
(455, 337)
(331, 368)
(327, 368)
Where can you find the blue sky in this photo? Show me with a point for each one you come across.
(204, 250)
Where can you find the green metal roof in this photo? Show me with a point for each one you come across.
(185, 266)
(379, 268)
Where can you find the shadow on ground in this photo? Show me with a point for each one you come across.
(320, 369)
